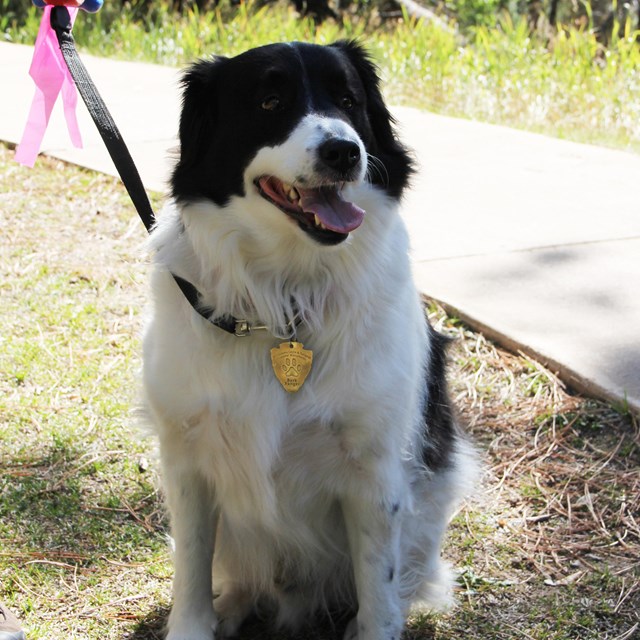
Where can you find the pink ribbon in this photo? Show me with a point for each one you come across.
(50, 73)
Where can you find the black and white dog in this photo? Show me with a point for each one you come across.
(284, 214)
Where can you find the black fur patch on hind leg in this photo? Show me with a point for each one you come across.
(440, 429)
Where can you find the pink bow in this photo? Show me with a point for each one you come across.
(50, 73)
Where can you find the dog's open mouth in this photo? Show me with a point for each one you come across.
(321, 212)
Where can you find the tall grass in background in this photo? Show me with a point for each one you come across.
(563, 83)
(569, 85)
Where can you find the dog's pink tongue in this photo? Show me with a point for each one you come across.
(334, 212)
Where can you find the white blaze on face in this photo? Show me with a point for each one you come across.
(304, 177)
(295, 161)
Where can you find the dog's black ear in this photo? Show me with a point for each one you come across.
(197, 121)
(398, 165)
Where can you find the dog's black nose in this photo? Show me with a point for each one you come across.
(338, 154)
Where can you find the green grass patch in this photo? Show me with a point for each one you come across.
(82, 530)
(563, 83)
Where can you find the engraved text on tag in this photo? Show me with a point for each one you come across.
(291, 364)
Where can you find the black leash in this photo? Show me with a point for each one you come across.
(61, 24)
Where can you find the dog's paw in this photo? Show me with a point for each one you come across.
(232, 608)
(192, 633)
(195, 627)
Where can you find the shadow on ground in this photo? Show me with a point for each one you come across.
(58, 501)
(152, 626)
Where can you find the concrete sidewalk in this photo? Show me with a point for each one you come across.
(533, 240)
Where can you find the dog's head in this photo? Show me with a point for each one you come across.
(293, 124)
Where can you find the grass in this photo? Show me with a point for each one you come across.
(559, 82)
(549, 548)
(72, 469)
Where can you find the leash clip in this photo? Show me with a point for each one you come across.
(244, 328)
(61, 19)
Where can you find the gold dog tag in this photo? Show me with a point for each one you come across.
(291, 364)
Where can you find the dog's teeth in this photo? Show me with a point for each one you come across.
(318, 223)
(293, 194)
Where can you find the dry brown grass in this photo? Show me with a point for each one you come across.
(557, 518)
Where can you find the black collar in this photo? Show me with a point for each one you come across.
(239, 328)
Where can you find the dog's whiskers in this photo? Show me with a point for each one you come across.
(375, 164)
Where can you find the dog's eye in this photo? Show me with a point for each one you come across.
(271, 103)
(347, 102)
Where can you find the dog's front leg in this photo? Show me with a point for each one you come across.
(193, 526)
(374, 528)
